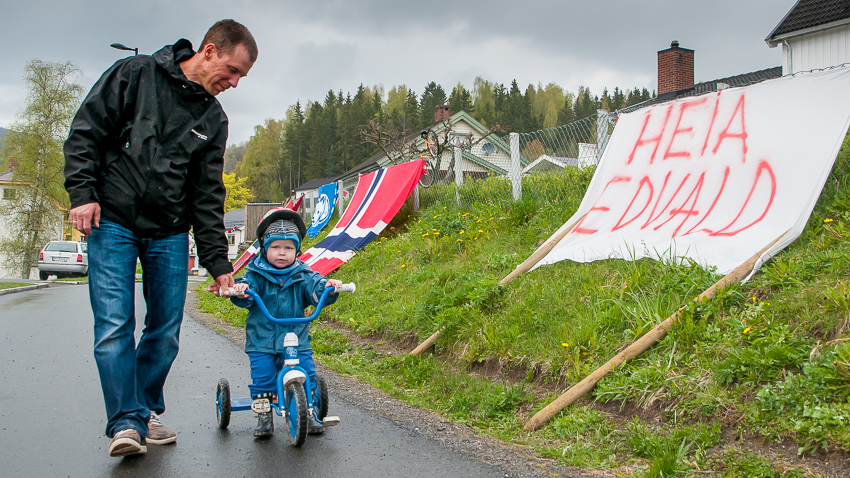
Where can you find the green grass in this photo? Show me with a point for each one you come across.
(769, 359)
(12, 285)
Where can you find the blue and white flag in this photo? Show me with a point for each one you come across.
(324, 209)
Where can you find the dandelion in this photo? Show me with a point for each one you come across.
(476, 238)
(478, 220)
(754, 299)
(835, 362)
(460, 240)
(761, 303)
(467, 214)
(747, 330)
(827, 220)
(565, 344)
(445, 207)
(480, 231)
(392, 228)
(436, 233)
(491, 218)
(403, 266)
(461, 232)
(425, 235)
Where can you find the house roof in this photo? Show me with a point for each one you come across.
(380, 160)
(234, 218)
(314, 184)
(810, 15)
(711, 86)
(7, 176)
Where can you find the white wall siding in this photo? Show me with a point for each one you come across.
(817, 50)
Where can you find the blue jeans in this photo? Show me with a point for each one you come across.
(131, 376)
(265, 366)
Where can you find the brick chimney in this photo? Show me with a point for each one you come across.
(441, 113)
(675, 68)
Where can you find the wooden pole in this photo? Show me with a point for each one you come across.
(524, 267)
(579, 390)
(540, 253)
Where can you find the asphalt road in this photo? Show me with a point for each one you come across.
(52, 416)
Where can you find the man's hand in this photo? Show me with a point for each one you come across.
(83, 217)
(221, 286)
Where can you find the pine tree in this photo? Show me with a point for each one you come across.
(460, 100)
(433, 96)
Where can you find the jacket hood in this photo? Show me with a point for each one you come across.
(169, 57)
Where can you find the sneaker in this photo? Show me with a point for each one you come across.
(159, 434)
(265, 425)
(127, 442)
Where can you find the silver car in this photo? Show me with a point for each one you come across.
(63, 258)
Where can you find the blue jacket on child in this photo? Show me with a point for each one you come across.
(285, 292)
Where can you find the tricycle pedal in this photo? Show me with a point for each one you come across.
(330, 421)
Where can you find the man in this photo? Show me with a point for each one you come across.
(143, 165)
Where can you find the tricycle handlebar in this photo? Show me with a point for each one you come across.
(350, 287)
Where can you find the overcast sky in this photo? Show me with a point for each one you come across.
(310, 47)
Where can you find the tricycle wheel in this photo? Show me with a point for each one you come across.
(222, 403)
(295, 404)
(320, 397)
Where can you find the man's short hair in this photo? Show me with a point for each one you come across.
(226, 34)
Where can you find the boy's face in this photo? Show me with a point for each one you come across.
(281, 253)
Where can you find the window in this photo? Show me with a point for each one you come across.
(9, 193)
(231, 239)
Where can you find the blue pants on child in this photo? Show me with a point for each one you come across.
(265, 366)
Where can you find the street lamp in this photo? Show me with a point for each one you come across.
(119, 46)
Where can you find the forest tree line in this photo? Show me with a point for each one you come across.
(324, 139)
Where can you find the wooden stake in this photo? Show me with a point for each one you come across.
(524, 267)
(540, 253)
(579, 390)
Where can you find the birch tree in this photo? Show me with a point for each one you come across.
(33, 149)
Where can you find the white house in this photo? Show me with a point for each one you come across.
(488, 155)
(814, 34)
(10, 190)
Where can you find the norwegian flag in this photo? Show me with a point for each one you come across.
(378, 197)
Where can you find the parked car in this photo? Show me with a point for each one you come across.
(63, 258)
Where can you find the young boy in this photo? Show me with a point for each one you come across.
(286, 286)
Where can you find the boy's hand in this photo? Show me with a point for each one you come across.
(240, 289)
(335, 283)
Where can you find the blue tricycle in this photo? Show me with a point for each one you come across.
(297, 398)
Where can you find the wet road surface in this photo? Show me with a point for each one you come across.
(52, 416)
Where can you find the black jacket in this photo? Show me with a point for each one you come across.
(148, 145)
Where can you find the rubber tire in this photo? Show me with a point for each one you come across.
(320, 397)
(222, 403)
(433, 144)
(295, 408)
(427, 178)
(43, 275)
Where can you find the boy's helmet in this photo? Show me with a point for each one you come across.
(281, 223)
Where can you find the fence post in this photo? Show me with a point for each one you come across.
(339, 198)
(516, 167)
(601, 133)
(458, 157)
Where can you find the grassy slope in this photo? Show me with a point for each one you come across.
(762, 359)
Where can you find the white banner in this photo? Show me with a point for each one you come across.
(713, 178)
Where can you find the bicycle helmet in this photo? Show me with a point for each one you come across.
(281, 223)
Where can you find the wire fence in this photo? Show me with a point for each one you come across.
(552, 165)
(547, 166)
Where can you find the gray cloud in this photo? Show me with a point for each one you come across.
(308, 48)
